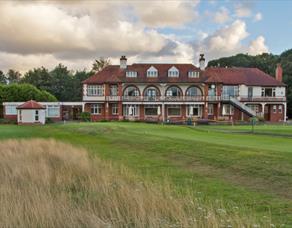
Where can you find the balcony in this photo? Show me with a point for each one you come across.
(262, 99)
(113, 98)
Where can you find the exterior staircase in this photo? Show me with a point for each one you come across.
(236, 103)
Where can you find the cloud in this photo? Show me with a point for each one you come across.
(243, 9)
(165, 13)
(258, 46)
(79, 31)
(221, 16)
(258, 17)
(230, 40)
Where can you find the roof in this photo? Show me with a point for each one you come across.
(113, 74)
(228, 76)
(240, 75)
(31, 105)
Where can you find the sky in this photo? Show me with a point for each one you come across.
(74, 33)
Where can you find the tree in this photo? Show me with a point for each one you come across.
(62, 83)
(100, 63)
(23, 92)
(13, 76)
(3, 79)
(39, 77)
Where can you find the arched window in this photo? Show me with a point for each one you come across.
(194, 91)
(131, 91)
(151, 91)
(173, 91)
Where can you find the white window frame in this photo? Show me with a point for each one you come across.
(274, 108)
(210, 109)
(96, 109)
(131, 74)
(194, 74)
(135, 110)
(95, 90)
(115, 109)
(280, 108)
(56, 112)
(173, 72)
(114, 90)
(10, 109)
(152, 72)
(227, 110)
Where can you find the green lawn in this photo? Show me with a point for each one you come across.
(252, 172)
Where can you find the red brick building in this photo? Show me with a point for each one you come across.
(177, 92)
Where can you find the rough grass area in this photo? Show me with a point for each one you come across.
(45, 183)
(252, 173)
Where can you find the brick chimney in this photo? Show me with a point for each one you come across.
(202, 62)
(123, 62)
(279, 72)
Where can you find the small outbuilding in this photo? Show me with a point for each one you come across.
(31, 112)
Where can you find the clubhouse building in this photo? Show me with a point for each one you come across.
(174, 93)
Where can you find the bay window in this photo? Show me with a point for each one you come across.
(95, 90)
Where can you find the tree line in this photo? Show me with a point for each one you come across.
(59, 84)
(265, 62)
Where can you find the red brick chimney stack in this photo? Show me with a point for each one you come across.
(279, 72)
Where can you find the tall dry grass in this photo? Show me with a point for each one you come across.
(44, 183)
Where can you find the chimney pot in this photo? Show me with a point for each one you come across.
(123, 62)
(202, 62)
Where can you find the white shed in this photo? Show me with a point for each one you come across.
(31, 112)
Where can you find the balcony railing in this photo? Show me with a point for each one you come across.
(183, 98)
(259, 98)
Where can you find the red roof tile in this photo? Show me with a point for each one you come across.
(31, 105)
(231, 76)
(240, 75)
(113, 73)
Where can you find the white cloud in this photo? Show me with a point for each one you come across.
(230, 40)
(258, 46)
(221, 16)
(258, 17)
(165, 13)
(45, 33)
(243, 9)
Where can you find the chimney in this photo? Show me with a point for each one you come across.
(279, 72)
(123, 62)
(202, 62)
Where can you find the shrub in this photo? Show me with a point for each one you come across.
(7, 121)
(85, 116)
(49, 121)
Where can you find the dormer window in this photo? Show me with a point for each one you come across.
(194, 74)
(152, 72)
(173, 72)
(131, 74)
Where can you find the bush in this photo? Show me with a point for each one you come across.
(49, 121)
(7, 121)
(85, 116)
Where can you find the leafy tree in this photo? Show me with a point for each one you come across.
(100, 63)
(39, 77)
(62, 83)
(13, 76)
(23, 92)
(3, 79)
(78, 78)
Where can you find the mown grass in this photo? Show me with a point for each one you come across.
(45, 183)
(250, 172)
